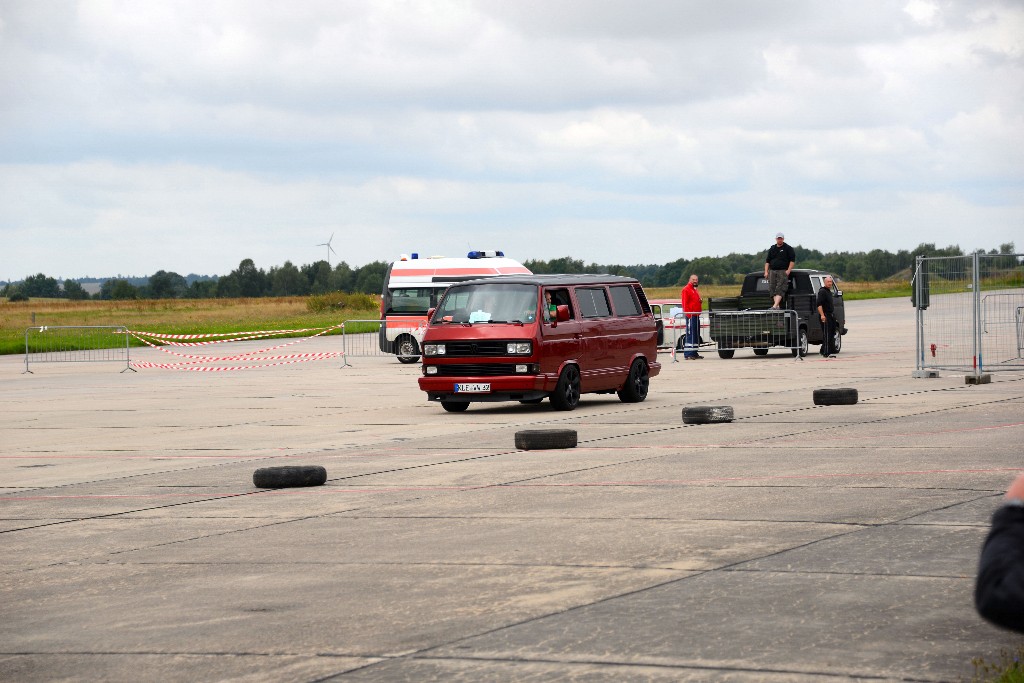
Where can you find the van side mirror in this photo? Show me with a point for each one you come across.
(430, 314)
(561, 313)
(839, 292)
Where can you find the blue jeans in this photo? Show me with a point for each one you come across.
(692, 336)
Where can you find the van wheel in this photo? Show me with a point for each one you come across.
(760, 352)
(566, 395)
(639, 380)
(726, 353)
(681, 344)
(407, 350)
(455, 406)
(837, 341)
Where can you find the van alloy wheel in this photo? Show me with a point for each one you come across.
(566, 395)
(637, 384)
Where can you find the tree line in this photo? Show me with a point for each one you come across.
(319, 277)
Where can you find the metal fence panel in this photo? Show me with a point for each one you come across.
(969, 315)
(365, 338)
(77, 344)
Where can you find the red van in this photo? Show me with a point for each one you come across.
(529, 337)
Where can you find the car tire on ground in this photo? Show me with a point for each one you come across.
(835, 397)
(289, 476)
(455, 406)
(699, 415)
(544, 439)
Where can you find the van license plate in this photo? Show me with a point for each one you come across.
(472, 388)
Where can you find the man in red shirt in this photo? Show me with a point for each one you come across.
(692, 303)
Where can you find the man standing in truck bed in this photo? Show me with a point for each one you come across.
(777, 265)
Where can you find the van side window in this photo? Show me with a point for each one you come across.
(559, 297)
(624, 301)
(593, 302)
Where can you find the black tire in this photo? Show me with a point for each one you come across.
(289, 476)
(566, 395)
(837, 342)
(760, 352)
(681, 344)
(699, 415)
(544, 439)
(726, 353)
(637, 383)
(835, 397)
(455, 406)
(407, 349)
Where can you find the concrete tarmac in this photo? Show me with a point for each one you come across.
(796, 543)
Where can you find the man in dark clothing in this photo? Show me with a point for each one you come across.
(999, 592)
(777, 265)
(827, 313)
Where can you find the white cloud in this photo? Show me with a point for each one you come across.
(529, 126)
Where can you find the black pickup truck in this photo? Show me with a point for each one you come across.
(748, 321)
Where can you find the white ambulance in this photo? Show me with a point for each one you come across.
(413, 285)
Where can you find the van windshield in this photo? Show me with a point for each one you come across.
(488, 303)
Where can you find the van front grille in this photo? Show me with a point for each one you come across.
(488, 347)
(476, 370)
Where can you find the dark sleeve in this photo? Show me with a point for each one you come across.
(768, 256)
(999, 592)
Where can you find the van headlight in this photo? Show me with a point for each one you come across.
(520, 348)
(433, 350)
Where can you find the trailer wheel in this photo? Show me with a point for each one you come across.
(802, 343)
(726, 353)
(699, 415)
(407, 350)
(544, 439)
(835, 397)
(289, 476)
(760, 352)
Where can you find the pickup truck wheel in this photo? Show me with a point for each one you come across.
(289, 476)
(543, 439)
(639, 380)
(699, 415)
(455, 406)
(566, 395)
(407, 350)
(835, 397)
(760, 352)
(726, 353)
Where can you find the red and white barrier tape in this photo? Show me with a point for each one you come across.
(192, 362)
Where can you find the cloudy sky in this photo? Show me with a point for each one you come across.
(139, 135)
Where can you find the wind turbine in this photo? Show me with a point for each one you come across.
(329, 248)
